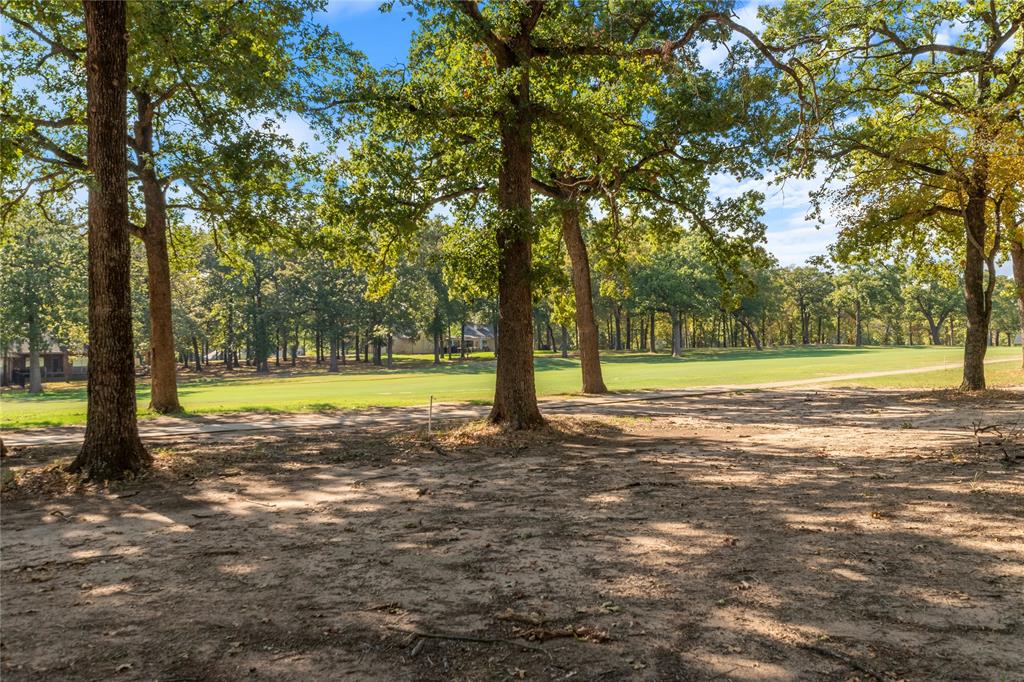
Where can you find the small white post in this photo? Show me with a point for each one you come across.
(430, 416)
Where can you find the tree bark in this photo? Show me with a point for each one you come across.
(565, 341)
(333, 362)
(677, 333)
(195, 350)
(654, 347)
(976, 296)
(35, 340)
(858, 333)
(1017, 256)
(750, 330)
(163, 382)
(112, 447)
(515, 394)
(586, 324)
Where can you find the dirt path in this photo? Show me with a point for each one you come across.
(227, 424)
(783, 535)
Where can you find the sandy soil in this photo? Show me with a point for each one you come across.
(776, 535)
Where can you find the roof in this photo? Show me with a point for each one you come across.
(478, 331)
(49, 346)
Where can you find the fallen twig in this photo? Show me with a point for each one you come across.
(852, 662)
(472, 638)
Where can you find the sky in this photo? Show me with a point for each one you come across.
(384, 39)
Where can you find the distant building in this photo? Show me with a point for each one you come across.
(54, 358)
(478, 338)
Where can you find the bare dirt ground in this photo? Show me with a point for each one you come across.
(774, 535)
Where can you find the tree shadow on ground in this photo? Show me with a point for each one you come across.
(732, 550)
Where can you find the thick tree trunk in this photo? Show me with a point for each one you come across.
(437, 341)
(333, 362)
(515, 394)
(163, 382)
(35, 372)
(35, 340)
(1017, 256)
(934, 329)
(112, 448)
(586, 324)
(565, 341)
(195, 350)
(976, 296)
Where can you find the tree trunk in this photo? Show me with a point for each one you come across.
(515, 394)
(976, 296)
(112, 448)
(391, 347)
(1017, 256)
(654, 347)
(618, 327)
(586, 324)
(35, 340)
(163, 383)
(295, 346)
(565, 341)
(677, 334)
(934, 329)
(462, 340)
(332, 365)
(195, 349)
(750, 330)
(437, 341)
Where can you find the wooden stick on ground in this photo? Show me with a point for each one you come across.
(472, 638)
(852, 662)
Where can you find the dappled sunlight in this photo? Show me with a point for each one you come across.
(702, 542)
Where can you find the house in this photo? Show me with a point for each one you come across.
(478, 337)
(404, 345)
(54, 358)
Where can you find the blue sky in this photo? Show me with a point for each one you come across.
(384, 39)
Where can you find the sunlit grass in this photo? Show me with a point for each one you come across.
(414, 380)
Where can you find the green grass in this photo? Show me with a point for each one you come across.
(996, 375)
(414, 380)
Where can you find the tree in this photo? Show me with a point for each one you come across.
(933, 290)
(481, 80)
(112, 447)
(911, 121)
(678, 280)
(199, 75)
(809, 286)
(43, 273)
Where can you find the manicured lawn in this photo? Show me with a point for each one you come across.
(996, 375)
(414, 380)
